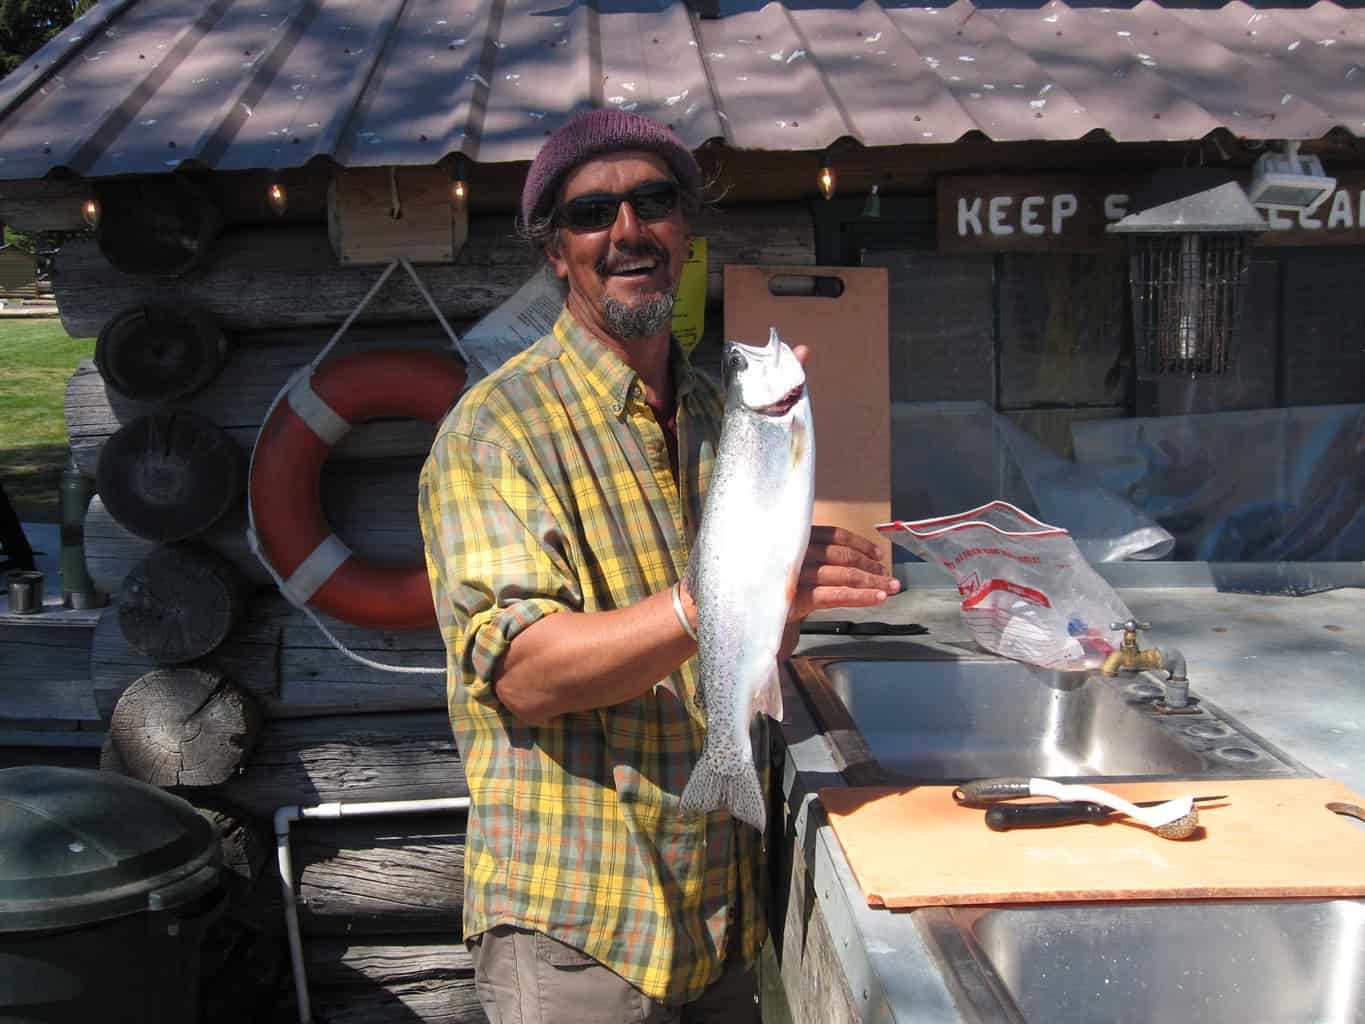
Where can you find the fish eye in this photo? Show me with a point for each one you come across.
(736, 362)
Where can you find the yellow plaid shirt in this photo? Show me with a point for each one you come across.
(549, 489)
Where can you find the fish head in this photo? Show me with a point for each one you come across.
(767, 380)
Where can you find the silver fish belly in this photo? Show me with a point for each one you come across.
(742, 574)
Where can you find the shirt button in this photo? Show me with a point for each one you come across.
(615, 406)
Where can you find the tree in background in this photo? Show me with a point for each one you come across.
(25, 25)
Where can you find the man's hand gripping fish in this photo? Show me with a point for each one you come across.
(743, 570)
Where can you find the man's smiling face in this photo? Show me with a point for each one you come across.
(622, 277)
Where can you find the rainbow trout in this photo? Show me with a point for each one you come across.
(744, 567)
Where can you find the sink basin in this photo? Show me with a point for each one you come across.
(929, 714)
(945, 719)
(1263, 961)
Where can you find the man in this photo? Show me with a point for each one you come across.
(558, 506)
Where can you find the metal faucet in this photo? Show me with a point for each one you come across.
(1129, 658)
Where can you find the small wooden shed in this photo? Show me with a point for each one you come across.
(18, 273)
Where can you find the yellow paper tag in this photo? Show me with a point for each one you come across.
(689, 312)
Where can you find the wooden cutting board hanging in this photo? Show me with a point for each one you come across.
(1269, 838)
(848, 372)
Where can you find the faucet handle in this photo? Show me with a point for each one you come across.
(1130, 626)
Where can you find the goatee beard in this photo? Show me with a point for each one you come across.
(643, 320)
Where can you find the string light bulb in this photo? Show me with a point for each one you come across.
(459, 183)
(827, 179)
(276, 195)
(90, 212)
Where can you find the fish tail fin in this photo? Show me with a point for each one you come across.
(741, 794)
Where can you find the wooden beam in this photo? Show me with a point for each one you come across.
(33, 206)
(373, 875)
(256, 279)
(181, 727)
(371, 505)
(46, 673)
(239, 398)
(283, 660)
(180, 602)
(348, 757)
(410, 979)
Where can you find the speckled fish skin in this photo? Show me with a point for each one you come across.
(743, 569)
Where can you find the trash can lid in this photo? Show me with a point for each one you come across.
(80, 846)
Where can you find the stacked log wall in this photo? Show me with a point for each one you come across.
(381, 898)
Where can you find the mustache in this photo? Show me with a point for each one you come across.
(619, 257)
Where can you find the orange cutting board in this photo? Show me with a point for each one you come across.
(849, 375)
(1270, 837)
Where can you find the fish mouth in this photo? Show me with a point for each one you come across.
(784, 404)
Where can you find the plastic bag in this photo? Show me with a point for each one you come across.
(1027, 593)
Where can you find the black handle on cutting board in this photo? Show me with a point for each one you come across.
(1068, 812)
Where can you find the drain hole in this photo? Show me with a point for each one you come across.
(1238, 754)
(1145, 690)
(1208, 731)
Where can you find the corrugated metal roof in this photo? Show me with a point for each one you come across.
(146, 85)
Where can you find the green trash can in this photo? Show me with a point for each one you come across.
(106, 887)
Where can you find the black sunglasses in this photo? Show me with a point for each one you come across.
(597, 210)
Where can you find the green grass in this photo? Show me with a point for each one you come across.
(37, 358)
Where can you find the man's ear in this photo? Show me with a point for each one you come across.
(554, 255)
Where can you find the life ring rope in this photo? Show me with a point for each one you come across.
(329, 426)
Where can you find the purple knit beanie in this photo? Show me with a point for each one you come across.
(591, 134)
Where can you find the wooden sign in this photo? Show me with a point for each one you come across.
(1018, 213)
(1069, 213)
(375, 214)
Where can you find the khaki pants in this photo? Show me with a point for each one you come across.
(524, 977)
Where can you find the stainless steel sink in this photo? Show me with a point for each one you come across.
(1271, 962)
(931, 715)
(946, 719)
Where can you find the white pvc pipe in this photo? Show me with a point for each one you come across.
(286, 816)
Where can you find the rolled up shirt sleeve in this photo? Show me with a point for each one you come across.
(496, 557)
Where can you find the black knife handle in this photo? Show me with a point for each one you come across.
(846, 627)
(1069, 812)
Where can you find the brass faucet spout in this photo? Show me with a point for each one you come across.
(1126, 660)
(1127, 657)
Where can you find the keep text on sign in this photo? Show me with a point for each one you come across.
(1069, 213)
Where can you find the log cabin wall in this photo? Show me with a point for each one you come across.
(268, 713)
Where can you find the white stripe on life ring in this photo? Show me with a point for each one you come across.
(320, 417)
(316, 569)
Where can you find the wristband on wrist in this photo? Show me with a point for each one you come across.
(682, 615)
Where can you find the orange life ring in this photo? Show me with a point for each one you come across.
(294, 536)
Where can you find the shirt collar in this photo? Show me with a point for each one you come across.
(606, 372)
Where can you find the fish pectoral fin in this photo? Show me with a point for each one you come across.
(768, 697)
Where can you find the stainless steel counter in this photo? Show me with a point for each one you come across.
(1290, 668)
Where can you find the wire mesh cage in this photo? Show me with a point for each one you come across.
(1187, 298)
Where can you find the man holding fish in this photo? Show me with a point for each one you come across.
(561, 505)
